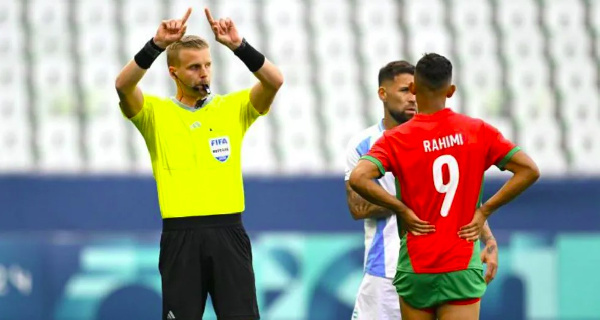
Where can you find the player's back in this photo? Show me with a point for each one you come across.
(440, 163)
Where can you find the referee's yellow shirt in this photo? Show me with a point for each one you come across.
(196, 153)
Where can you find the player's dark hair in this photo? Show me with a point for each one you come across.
(393, 69)
(434, 71)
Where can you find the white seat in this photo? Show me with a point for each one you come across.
(96, 15)
(235, 76)
(338, 74)
(581, 107)
(58, 144)
(54, 87)
(296, 74)
(283, 15)
(374, 107)
(335, 46)
(343, 106)
(370, 18)
(284, 49)
(298, 134)
(429, 41)
(541, 140)
(423, 15)
(482, 103)
(536, 105)
(95, 48)
(475, 46)
(527, 44)
(584, 146)
(329, 15)
(106, 143)
(243, 13)
(470, 16)
(49, 17)
(258, 156)
(564, 16)
(15, 143)
(380, 48)
(157, 81)
(576, 76)
(566, 48)
(516, 16)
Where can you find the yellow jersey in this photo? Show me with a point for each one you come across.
(196, 153)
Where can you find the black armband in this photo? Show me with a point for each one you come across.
(145, 57)
(253, 59)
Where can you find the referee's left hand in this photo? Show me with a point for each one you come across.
(224, 30)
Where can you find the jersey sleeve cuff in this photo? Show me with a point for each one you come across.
(507, 157)
(376, 162)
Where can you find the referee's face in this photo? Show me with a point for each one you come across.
(398, 101)
(194, 70)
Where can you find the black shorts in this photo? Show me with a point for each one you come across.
(207, 255)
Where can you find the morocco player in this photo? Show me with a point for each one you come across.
(439, 159)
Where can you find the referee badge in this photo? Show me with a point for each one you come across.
(220, 148)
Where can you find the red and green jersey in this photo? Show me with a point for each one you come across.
(439, 161)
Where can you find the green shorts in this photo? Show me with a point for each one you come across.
(426, 290)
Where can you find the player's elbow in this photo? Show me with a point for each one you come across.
(356, 178)
(123, 86)
(533, 172)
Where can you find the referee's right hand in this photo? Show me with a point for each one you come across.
(172, 30)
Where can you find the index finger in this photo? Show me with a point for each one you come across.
(186, 16)
(209, 16)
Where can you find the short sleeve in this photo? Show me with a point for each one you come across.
(499, 149)
(144, 120)
(352, 157)
(247, 112)
(380, 155)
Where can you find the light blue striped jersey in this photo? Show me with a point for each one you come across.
(382, 243)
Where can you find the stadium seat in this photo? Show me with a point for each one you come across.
(368, 14)
(283, 49)
(298, 134)
(106, 143)
(563, 16)
(329, 15)
(258, 156)
(58, 143)
(470, 16)
(541, 140)
(584, 147)
(15, 143)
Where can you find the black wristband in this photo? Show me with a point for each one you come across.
(253, 59)
(146, 56)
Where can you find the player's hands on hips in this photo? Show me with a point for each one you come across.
(172, 30)
(224, 30)
(472, 231)
(489, 256)
(411, 223)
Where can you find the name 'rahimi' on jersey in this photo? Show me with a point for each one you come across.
(443, 142)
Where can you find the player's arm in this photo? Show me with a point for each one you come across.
(363, 209)
(489, 254)
(131, 99)
(269, 77)
(525, 173)
(362, 181)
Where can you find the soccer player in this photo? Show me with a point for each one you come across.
(195, 140)
(377, 297)
(439, 159)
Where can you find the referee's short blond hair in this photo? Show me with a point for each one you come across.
(186, 42)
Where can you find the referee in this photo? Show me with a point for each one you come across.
(195, 140)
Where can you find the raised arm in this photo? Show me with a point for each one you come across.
(131, 99)
(269, 77)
